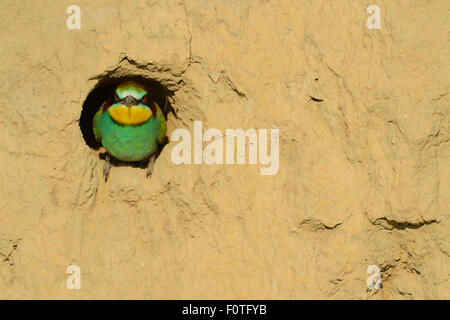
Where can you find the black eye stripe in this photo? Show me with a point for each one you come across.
(144, 99)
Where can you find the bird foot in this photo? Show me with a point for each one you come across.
(151, 164)
(106, 167)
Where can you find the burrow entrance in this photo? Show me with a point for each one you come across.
(105, 89)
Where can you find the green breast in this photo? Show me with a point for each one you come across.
(126, 142)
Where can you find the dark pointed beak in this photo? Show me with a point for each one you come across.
(130, 101)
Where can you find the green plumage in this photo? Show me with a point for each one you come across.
(130, 142)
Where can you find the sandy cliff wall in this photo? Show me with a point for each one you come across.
(363, 119)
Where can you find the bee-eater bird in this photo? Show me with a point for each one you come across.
(130, 125)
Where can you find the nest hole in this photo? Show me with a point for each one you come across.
(105, 89)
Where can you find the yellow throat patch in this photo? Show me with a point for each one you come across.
(129, 115)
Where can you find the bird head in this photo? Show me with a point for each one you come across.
(130, 104)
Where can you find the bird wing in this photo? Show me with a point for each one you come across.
(96, 123)
(162, 124)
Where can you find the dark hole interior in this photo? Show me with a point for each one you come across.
(104, 89)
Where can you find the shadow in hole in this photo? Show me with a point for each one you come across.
(105, 89)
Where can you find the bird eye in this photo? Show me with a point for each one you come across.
(116, 97)
(144, 99)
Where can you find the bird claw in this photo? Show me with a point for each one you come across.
(151, 164)
(106, 168)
